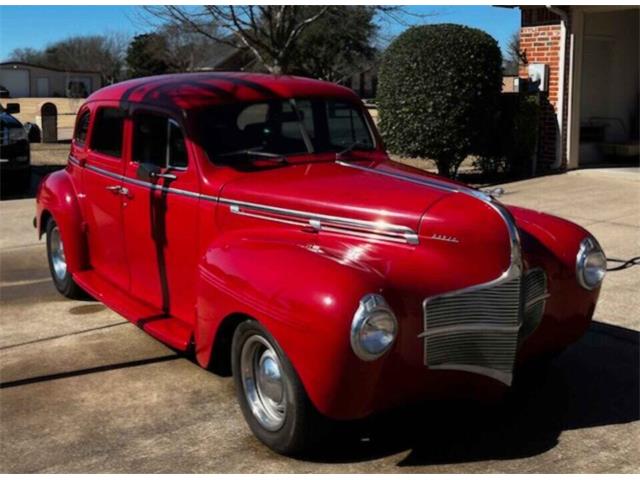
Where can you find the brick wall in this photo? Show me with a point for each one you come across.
(540, 42)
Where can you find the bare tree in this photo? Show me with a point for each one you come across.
(27, 55)
(269, 32)
(99, 53)
(185, 50)
(514, 54)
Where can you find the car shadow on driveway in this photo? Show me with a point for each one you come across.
(10, 190)
(594, 383)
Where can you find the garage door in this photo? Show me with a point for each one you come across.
(16, 81)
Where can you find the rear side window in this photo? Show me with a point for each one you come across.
(82, 127)
(107, 132)
(158, 140)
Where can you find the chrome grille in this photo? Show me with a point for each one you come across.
(475, 329)
(478, 329)
(535, 295)
(497, 304)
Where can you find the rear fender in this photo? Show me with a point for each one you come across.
(57, 197)
(301, 295)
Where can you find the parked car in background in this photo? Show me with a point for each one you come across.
(258, 221)
(15, 154)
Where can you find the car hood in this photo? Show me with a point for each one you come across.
(371, 191)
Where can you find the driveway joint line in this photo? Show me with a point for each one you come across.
(56, 337)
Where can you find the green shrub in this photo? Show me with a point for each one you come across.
(510, 147)
(438, 91)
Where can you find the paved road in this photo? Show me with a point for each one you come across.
(85, 391)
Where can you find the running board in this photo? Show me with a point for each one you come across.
(169, 330)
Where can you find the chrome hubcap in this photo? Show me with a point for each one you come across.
(263, 381)
(58, 260)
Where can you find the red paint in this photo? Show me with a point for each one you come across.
(303, 286)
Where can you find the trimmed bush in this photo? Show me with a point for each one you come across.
(511, 146)
(438, 93)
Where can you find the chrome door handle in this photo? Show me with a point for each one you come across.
(168, 176)
(117, 189)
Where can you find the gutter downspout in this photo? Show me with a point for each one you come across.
(564, 20)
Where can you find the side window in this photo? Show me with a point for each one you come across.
(82, 127)
(107, 132)
(158, 140)
(346, 125)
(177, 150)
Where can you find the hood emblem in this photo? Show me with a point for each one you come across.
(444, 238)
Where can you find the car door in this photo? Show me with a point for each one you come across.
(102, 186)
(160, 215)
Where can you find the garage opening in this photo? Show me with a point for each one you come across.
(610, 99)
(16, 81)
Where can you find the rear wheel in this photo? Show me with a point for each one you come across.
(58, 263)
(271, 396)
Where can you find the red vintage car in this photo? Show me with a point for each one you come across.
(257, 220)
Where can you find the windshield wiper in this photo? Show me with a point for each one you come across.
(276, 157)
(351, 148)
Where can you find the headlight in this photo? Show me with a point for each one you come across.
(374, 327)
(591, 264)
(17, 134)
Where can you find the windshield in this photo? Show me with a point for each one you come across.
(282, 127)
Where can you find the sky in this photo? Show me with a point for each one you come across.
(37, 26)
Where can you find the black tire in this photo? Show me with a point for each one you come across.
(303, 425)
(64, 284)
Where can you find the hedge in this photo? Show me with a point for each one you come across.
(438, 93)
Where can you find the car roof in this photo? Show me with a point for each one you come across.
(193, 90)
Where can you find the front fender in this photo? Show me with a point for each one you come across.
(302, 295)
(57, 197)
(553, 243)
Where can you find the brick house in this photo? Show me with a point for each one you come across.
(584, 60)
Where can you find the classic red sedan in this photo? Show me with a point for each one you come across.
(257, 220)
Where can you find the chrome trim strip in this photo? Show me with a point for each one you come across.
(106, 173)
(318, 216)
(477, 327)
(370, 236)
(315, 220)
(381, 230)
(432, 183)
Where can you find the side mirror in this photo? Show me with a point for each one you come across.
(147, 172)
(12, 108)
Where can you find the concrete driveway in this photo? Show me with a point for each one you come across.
(82, 390)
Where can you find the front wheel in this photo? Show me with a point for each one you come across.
(271, 396)
(61, 276)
